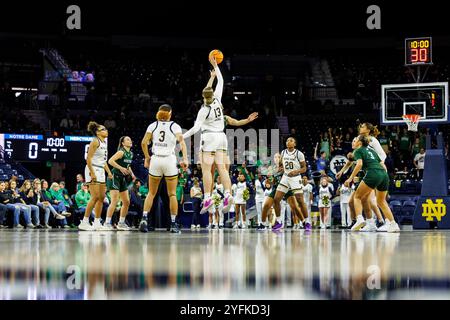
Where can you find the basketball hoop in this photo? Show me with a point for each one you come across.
(412, 120)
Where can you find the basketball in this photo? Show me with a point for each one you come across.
(217, 54)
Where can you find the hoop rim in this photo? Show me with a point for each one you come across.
(413, 118)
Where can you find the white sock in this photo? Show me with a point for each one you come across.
(387, 221)
(279, 220)
(227, 193)
(173, 216)
(207, 196)
(108, 220)
(122, 220)
(97, 220)
(359, 218)
(86, 219)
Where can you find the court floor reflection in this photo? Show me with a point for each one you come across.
(224, 264)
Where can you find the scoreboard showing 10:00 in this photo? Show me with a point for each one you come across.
(37, 147)
(418, 51)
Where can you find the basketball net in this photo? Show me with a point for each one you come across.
(412, 121)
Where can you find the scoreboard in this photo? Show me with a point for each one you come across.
(37, 147)
(418, 51)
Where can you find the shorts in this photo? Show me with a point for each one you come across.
(214, 141)
(377, 179)
(293, 184)
(286, 196)
(99, 173)
(163, 166)
(119, 182)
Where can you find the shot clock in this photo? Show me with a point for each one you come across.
(37, 147)
(418, 51)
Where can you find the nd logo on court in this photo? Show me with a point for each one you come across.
(433, 210)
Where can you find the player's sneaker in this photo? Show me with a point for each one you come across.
(261, 227)
(393, 227)
(174, 228)
(277, 226)
(143, 226)
(59, 216)
(384, 227)
(221, 226)
(358, 225)
(380, 224)
(206, 205)
(369, 227)
(227, 203)
(97, 225)
(351, 225)
(192, 226)
(198, 227)
(308, 226)
(85, 226)
(235, 226)
(323, 226)
(244, 226)
(122, 226)
(106, 227)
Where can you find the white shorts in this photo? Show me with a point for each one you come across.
(290, 183)
(99, 173)
(214, 141)
(163, 166)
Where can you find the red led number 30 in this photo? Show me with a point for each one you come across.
(419, 55)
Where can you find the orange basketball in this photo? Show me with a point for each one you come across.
(217, 54)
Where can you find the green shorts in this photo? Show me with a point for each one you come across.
(377, 179)
(118, 182)
(286, 196)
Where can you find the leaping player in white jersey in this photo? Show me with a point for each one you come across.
(214, 145)
(164, 134)
(96, 164)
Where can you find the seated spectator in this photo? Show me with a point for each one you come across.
(58, 197)
(67, 201)
(27, 194)
(45, 205)
(17, 200)
(80, 181)
(82, 198)
(143, 190)
(57, 205)
(7, 201)
(2, 215)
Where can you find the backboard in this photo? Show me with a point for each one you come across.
(429, 100)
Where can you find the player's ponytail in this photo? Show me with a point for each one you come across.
(121, 142)
(373, 130)
(164, 113)
(92, 127)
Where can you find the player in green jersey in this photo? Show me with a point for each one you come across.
(376, 177)
(118, 185)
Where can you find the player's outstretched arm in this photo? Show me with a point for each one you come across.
(201, 117)
(238, 123)
(219, 87)
(211, 78)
